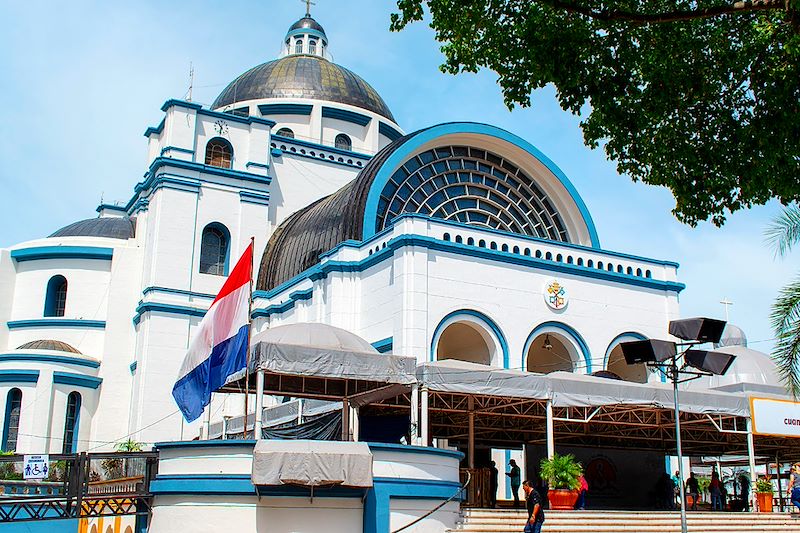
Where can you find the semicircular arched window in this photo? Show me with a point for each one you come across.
(214, 247)
(55, 301)
(286, 132)
(219, 153)
(343, 142)
(71, 423)
(298, 46)
(11, 420)
(472, 186)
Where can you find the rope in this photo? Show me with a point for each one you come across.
(448, 500)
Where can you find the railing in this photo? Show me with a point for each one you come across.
(478, 491)
(78, 486)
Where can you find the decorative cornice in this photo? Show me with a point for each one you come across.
(62, 252)
(56, 323)
(77, 380)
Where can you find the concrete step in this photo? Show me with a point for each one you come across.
(512, 520)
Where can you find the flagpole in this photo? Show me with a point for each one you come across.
(249, 336)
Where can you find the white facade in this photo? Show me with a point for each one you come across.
(133, 302)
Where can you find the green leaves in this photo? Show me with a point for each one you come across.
(707, 107)
(561, 472)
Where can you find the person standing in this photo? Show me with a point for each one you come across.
(794, 486)
(493, 473)
(744, 482)
(693, 488)
(515, 478)
(715, 487)
(533, 502)
(583, 490)
(677, 486)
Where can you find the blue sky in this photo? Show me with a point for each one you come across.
(80, 82)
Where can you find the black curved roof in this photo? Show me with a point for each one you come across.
(307, 23)
(48, 344)
(303, 76)
(298, 242)
(111, 227)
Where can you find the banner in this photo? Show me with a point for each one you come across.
(775, 417)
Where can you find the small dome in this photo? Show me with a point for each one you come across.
(307, 23)
(111, 227)
(732, 336)
(48, 344)
(315, 335)
(303, 76)
(750, 366)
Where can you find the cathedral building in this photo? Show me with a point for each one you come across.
(457, 241)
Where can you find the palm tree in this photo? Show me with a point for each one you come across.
(783, 234)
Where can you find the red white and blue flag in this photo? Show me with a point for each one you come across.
(219, 348)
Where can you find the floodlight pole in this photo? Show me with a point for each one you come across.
(681, 488)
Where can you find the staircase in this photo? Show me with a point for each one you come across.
(512, 520)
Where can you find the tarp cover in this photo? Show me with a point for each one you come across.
(312, 463)
(324, 351)
(566, 389)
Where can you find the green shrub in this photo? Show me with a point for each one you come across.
(561, 472)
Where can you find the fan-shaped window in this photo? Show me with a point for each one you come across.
(214, 250)
(343, 142)
(312, 46)
(55, 301)
(71, 423)
(298, 46)
(286, 132)
(11, 420)
(470, 185)
(219, 153)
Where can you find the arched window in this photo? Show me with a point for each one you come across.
(471, 241)
(11, 420)
(580, 261)
(286, 132)
(71, 423)
(447, 236)
(214, 250)
(55, 301)
(343, 142)
(219, 153)
(312, 46)
(504, 248)
(459, 240)
(493, 245)
(515, 249)
(298, 46)
(482, 243)
(548, 256)
(590, 264)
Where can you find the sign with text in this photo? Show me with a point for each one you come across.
(775, 417)
(35, 466)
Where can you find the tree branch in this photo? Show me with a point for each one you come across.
(742, 6)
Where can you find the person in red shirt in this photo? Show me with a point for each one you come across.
(584, 489)
(715, 487)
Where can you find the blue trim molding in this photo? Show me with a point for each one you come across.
(160, 162)
(294, 297)
(215, 114)
(76, 380)
(182, 292)
(48, 358)
(253, 198)
(308, 144)
(407, 150)
(110, 207)
(491, 325)
(307, 31)
(377, 505)
(155, 130)
(383, 345)
(62, 252)
(321, 270)
(149, 307)
(388, 131)
(176, 149)
(347, 116)
(569, 331)
(19, 376)
(56, 323)
(285, 109)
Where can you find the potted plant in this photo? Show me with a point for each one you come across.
(764, 494)
(562, 473)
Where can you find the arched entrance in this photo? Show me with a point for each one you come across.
(470, 336)
(615, 361)
(463, 341)
(554, 346)
(550, 352)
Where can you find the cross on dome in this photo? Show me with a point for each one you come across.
(308, 4)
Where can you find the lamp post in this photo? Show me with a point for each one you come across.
(665, 356)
